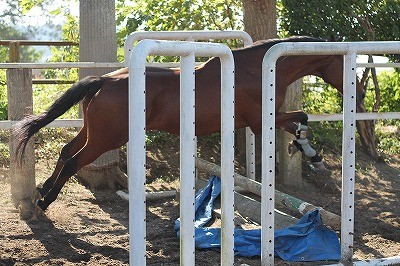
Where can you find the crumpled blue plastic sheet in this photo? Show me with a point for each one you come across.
(307, 240)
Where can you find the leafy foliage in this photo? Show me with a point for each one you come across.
(339, 19)
(348, 20)
(388, 138)
(390, 91)
(320, 97)
(170, 15)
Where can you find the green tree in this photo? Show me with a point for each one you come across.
(177, 15)
(347, 20)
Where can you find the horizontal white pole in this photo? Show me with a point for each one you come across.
(120, 65)
(369, 65)
(7, 124)
(59, 65)
(331, 48)
(359, 116)
(151, 196)
(82, 65)
(184, 36)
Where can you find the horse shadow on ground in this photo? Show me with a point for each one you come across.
(383, 218)
(70, 246)
(162, 232)
(162, 243)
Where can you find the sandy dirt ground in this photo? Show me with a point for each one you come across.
(90, 227)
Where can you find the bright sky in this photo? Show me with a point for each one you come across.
(35, 16)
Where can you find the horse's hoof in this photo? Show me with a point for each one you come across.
(26, 209)
(39, 192)
(318, 166)
(292, 149)
(40, 203)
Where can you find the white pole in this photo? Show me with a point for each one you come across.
(227, 158)
(192, 35)
(137, 129)
(187, 159)
(268, 162)
(137, 159)
(348, 154)
(250, 154)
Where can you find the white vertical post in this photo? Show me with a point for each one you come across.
(227, 160)
(187, 159)
(250, 154)
(268, 163)
(348, 154)
(349, 127)
(137, 165)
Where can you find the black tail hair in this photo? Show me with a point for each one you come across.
(31, 124)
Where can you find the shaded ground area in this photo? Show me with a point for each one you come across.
(90, 227)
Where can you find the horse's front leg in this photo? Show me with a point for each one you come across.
(67, 152)
(100, 137)
(296, 123)
(82, 158)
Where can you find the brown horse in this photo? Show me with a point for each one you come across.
(105, 105)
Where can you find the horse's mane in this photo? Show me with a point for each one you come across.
(266, 44)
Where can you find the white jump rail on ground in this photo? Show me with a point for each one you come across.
(198, 35)
(137, 146)
(349, 50)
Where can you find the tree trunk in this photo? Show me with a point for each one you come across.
(259, 18)
(289, 166)
(97, 43)
(260, 22)
(22, 177)
(366, 129)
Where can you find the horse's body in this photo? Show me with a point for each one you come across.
(105, 105)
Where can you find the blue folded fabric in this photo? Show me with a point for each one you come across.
(307, 240)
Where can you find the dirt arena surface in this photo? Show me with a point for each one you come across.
(90, 227)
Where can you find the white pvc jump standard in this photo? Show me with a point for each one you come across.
(194, 36)
(349, 50)
(137, 146)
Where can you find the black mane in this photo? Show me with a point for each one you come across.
(270, 42)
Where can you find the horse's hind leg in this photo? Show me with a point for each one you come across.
(101, 137)
(67, 152)
(296, 123)
(72, 165)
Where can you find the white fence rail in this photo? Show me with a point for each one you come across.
(7, 124)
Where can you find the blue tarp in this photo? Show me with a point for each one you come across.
(307, 240)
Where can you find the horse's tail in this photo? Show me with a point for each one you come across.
(31, 124)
